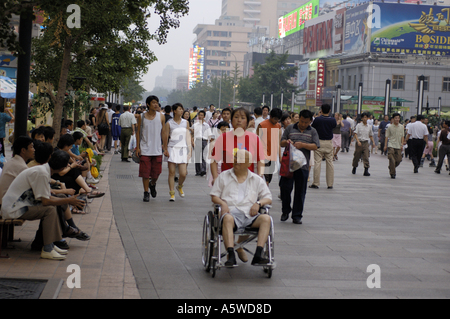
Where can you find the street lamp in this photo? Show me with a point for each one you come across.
(23, 71)
(338, 98)
(420, 97)
(292, 104)
(282, 97)
(271, 100)
(387, 97)
(360, 89)
(439, 107)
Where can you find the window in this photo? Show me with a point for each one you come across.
(212, 43)
(349, 83)
(398, 82)
(425, 83)
(446, 84)
(225, 44)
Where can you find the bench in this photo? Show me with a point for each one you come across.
(7, 232)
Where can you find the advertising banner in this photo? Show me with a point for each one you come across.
(411, 29)
(294, 21)
(357, 32)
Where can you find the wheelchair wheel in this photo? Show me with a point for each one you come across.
(207, 241)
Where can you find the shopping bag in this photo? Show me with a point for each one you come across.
(297, 159)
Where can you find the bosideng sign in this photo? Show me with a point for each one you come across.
(412, 29)
(295, 20)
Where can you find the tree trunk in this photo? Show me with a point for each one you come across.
(60, 97)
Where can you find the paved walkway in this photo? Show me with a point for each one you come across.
(401, 225)
(153, 250)
(105, 269)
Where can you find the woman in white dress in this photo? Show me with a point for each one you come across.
(177, 148)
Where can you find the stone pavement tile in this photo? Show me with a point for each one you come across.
(102, 260)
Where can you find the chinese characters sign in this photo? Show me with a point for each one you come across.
(295, 20)
(412, 29)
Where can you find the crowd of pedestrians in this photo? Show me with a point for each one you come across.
(153, 135)
(210, 138)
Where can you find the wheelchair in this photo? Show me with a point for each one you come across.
(213, 250)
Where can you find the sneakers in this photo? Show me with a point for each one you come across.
(146, 196)
(53, 255)
(153, 190)
(92, 181)
(180, 190)
(172, 196)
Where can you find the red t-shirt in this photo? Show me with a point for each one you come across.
(228, 144)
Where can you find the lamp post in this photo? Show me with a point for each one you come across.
(292, 104)
(282, 98)
(439, 107)
(360, 89)
(333, 105)
(23, 73)
(387, 97)
(338, 98)
(264, 98)
(271, 100)
(420, 96)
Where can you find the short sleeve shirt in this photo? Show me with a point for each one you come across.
(27, 189)
(309, 135)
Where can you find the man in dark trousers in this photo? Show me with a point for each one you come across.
(382, 133)
(418, 140)
(324, 125)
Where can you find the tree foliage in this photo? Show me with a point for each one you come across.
(272, 76)
(112, 43)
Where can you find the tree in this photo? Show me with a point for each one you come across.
(105, 49)
(272, 76)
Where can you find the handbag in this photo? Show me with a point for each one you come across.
(285, 164)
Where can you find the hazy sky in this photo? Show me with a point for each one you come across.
(176, 51)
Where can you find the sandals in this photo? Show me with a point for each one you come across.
(95, 194)
(75, 210)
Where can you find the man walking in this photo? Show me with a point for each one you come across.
(201, 129)
(149, 146)
(324, 125)
(418, 140)
(305, 138)
(126, 122)
(394, 144)
(363, 133)
(382, 133)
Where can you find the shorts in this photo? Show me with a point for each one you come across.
(150, 166)
(336, 140)
(116, 138)
(429, 150)
(241, 220)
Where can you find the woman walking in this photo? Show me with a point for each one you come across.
(177, 148)
(102, 127)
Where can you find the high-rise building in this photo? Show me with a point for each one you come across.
(227, 41)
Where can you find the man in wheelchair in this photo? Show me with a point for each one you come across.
(241, 193)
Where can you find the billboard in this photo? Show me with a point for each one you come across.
(327, 6)
(357, 32)
(411, 29)
(196, 65)
(294, 21)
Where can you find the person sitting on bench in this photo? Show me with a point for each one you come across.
(29, 197)
(237, 190)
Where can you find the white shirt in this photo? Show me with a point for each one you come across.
(208, 115)
(364, 132)
(27, 189)
(226, 187)
(201, 130)
(417, 130)
(126, 119)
